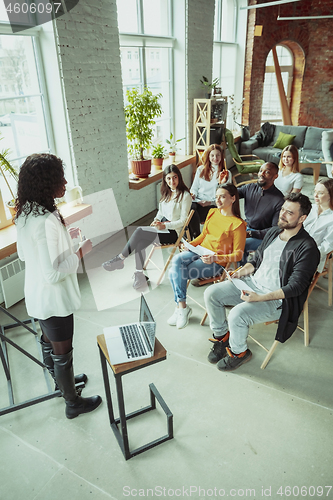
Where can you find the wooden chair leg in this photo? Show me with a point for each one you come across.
(204, 317)
(330, 282)
(306, 323)
(269, 354)
(149, 256)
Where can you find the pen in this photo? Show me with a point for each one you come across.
(238, 268)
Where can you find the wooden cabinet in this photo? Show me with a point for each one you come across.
(209, 117)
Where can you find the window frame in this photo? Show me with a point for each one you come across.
(33, 33)
(143, 41)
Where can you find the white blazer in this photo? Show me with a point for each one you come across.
(51, 287)
(175, 212)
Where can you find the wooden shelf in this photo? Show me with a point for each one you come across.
(156, 175)
(71, 214)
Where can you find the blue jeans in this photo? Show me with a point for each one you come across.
(241, 316)
(188, 266)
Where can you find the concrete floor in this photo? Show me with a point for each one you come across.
(251, 433)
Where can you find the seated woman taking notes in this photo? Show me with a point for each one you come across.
(224, 235)
(173, 210)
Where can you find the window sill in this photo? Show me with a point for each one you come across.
(71, 214)
(156, 175)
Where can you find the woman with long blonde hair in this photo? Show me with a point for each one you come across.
(289, 180)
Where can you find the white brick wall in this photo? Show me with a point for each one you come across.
(199, 46)
(88, 44)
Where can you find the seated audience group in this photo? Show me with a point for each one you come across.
(288, 239)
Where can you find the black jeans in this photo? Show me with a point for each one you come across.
(141, 239)
(199, 216)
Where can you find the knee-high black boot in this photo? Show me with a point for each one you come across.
(64, 375)
(48, 362)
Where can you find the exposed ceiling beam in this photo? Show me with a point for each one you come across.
(268, 4)
(302, 17)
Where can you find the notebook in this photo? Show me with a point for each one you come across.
(133, 341)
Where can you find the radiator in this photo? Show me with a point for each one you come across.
(12, 282)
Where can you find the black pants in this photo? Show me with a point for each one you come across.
(199, 216)
(59, 331)
(141, 239)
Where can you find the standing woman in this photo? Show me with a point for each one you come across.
(51, 288)
(203, 189)
(174, 207)
(289, 180)
(224, 233)
(319, 222)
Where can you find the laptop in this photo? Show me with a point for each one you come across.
(133, 341)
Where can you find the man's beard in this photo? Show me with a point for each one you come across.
(285, 225)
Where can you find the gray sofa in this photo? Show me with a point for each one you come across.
(308, 138)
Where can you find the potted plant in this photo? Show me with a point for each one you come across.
(173, 145)
(208, 86)
(140, 114)
(158, 154)
(6, 167)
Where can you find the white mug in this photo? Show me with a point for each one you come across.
(74, 195)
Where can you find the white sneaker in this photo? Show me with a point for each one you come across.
(172, 321)
(183, 317)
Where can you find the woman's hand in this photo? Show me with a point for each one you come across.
(74, 232)
(208, 259)
(204, 203)
(158, 224)
(84, 248)
(223, 177)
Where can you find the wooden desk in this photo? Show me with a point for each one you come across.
(118, 371)
(315, 167)
(71, 214)
(181, 161)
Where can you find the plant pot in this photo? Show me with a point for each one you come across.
(11, 208)
(158, 162)
(207, 95)
(141, 168)
(172, 155)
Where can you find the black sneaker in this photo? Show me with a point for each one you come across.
(140, 280)
(218, 350)
(233, 361)
(115, 263)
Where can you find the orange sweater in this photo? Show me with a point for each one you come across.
(224, 235)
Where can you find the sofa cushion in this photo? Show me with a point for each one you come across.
(268, 153)
(313, 138)
(298, 131)
(284, 140)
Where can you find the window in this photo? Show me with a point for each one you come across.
(225, 48)
(146, 34)
(271, 108)
(23, 107)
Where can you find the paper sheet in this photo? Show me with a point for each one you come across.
(199, 250)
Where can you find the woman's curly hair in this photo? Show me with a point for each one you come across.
(41, 178)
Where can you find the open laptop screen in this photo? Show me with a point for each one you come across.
(145, 314)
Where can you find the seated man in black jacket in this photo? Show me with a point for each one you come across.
(263, 202)
(283, 268)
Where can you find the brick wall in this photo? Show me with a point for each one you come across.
(309, 39)
(88, 44)
(89, 55)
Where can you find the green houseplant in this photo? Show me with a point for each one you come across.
(208, 86)
(140, 114)
(158, 154)
(172, 142)
(6, 167)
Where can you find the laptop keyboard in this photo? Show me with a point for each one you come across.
(132, 341)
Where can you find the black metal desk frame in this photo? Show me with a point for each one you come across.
(122, 436)
(5, 363)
